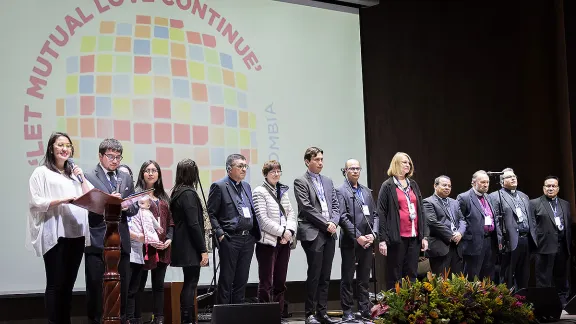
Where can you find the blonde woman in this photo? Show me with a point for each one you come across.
(403, 229)
(278, 229)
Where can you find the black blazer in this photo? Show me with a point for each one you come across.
(349, 206)
(310, 219)
(98, 179)
(546, 232)
(510, 218)
(188, 242)
(472, 210)
(389, 212)
(224, 209)
(440, 225)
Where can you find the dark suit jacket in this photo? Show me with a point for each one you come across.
(310, 219)
(440, 225)
(224, 208)
(98, 179)
(546, 232)
(350, 204)
(472, 210)
(188, 216)
(509, 216)
(389, 212)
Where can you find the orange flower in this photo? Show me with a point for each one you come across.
(397, 287)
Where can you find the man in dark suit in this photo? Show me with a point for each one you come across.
(511, 206)
(358, 220)
(318, 216)
(234, 222)
(447, 226)
(480, 240)
(553, 229)
(107, 178)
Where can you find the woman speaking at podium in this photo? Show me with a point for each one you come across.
(57, 230)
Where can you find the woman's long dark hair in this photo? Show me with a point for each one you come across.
(158, 185)
(187, 175)
(50, 161)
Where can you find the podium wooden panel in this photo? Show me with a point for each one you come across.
(172, 292)
(111, 283)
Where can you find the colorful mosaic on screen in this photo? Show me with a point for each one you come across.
(165, 92)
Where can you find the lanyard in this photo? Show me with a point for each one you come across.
(359, 194)
(406, 192)
(554, 210)
(238, 192)
(319, 189)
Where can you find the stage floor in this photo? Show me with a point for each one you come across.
(299, 319)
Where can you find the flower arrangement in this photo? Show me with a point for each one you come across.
(440, 299)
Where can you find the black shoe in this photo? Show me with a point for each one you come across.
(311, 319)
(187, 315)
(348, 318)
(325, 319)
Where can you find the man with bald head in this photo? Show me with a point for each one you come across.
(358, 220)
(479, 242)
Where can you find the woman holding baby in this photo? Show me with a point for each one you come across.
(154, 256)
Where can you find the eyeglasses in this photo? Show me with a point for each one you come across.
(242, 166)
(510, 177)
(355, 169)
(151, 171)
(112, 157)
(62, 145)
(278, 172)
(551, 186)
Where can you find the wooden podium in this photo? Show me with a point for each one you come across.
(102, 203)
(112, 250)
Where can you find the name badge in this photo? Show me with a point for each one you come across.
(324, 206)
(557, 221)
(246, 212)
(282, 221)
(365, 210)
(487, 221)
(412, 211)
(519, 214)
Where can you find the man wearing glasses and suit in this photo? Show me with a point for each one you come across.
(447, 225)
(234, 223)
(553, 228)
(108, 179)
(318, 216)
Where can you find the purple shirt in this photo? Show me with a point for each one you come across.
(487, 212)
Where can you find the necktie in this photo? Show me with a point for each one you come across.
(112, 180)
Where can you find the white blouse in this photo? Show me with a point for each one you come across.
(46, 224)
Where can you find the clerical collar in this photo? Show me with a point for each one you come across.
(551, 199)
(234, 182)
(477, 193)
(510, 191)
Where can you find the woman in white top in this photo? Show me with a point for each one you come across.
(57, 230)
(278, 230)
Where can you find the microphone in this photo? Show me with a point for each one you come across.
(72, 165)
(494, 173)
(118, 185)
